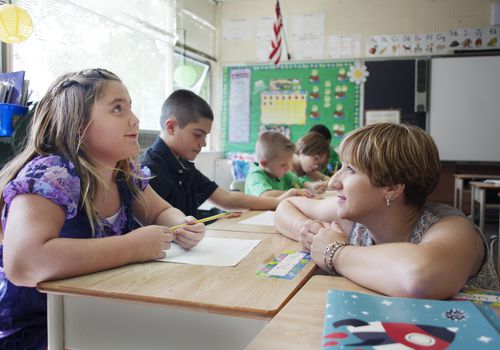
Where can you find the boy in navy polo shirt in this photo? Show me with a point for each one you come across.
(186, 120)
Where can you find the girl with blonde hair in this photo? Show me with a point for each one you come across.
(74, 202)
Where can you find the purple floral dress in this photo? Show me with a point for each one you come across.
(23, 311)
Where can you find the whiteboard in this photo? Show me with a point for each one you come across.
(464, 117)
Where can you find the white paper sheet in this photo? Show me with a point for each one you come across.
(266, 219)
(237, 29)
(212, 251)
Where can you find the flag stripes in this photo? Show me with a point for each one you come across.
(275, 54)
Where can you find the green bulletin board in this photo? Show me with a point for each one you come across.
(322, 93)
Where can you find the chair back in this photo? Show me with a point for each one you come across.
(237, 185)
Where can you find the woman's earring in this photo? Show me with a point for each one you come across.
(388, 202)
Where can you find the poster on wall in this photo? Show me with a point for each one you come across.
(382, 116)
(483, 38)
(239, 106)
(390, 45)
(294, 98)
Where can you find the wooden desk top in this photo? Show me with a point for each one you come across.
(236, 291)
(300, 324)
(476, 176)
(483, 185)
(232, 224)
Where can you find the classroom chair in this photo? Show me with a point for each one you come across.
(237, 185)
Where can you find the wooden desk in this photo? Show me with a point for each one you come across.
(232, 224)
(498, 239)
(478, 194)
(462, 186)
(160, 305)
(300, 324)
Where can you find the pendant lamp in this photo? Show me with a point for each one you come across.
(185, 75)
(15, 24)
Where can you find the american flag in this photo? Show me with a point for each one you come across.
(275, 54)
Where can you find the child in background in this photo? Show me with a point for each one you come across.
(186, 120)
(271, 176)
(71, 198)
(333, 163)
(311, 155)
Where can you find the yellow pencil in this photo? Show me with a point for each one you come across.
(213, 217)
(336, 167)
(297, 187)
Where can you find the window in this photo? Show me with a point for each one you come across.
(191, 74)
(130, 38)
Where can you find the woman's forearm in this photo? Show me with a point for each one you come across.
(286, 217)
(398, 269)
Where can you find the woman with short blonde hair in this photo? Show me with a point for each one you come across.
(379, 230)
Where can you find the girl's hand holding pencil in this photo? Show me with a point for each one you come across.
(192, 231)
(189, 233)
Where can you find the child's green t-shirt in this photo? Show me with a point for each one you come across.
(333, 163)
(259, 181)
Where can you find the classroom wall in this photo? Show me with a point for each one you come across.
(365, 17)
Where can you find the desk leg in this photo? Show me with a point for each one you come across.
(455, 194)
(55, 321)
(482, 204)
(459, 194)
(498, 245)
(472, 199)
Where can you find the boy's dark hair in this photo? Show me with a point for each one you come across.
(323, 130)
(186, 107)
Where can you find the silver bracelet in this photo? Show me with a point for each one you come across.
(328, 248)
(329, 255)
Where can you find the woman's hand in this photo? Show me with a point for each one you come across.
(191, 234)
(324, 237)
(151, 241)
(307, 230)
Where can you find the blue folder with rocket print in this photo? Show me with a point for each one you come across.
(361, 321)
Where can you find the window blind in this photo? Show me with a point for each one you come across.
(133, 39)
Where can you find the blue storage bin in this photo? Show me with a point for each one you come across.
(9, 114)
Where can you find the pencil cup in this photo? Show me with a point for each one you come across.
(9, 114)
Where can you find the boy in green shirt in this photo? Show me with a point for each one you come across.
(271, 176)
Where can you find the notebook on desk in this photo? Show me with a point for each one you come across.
(361, 321)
